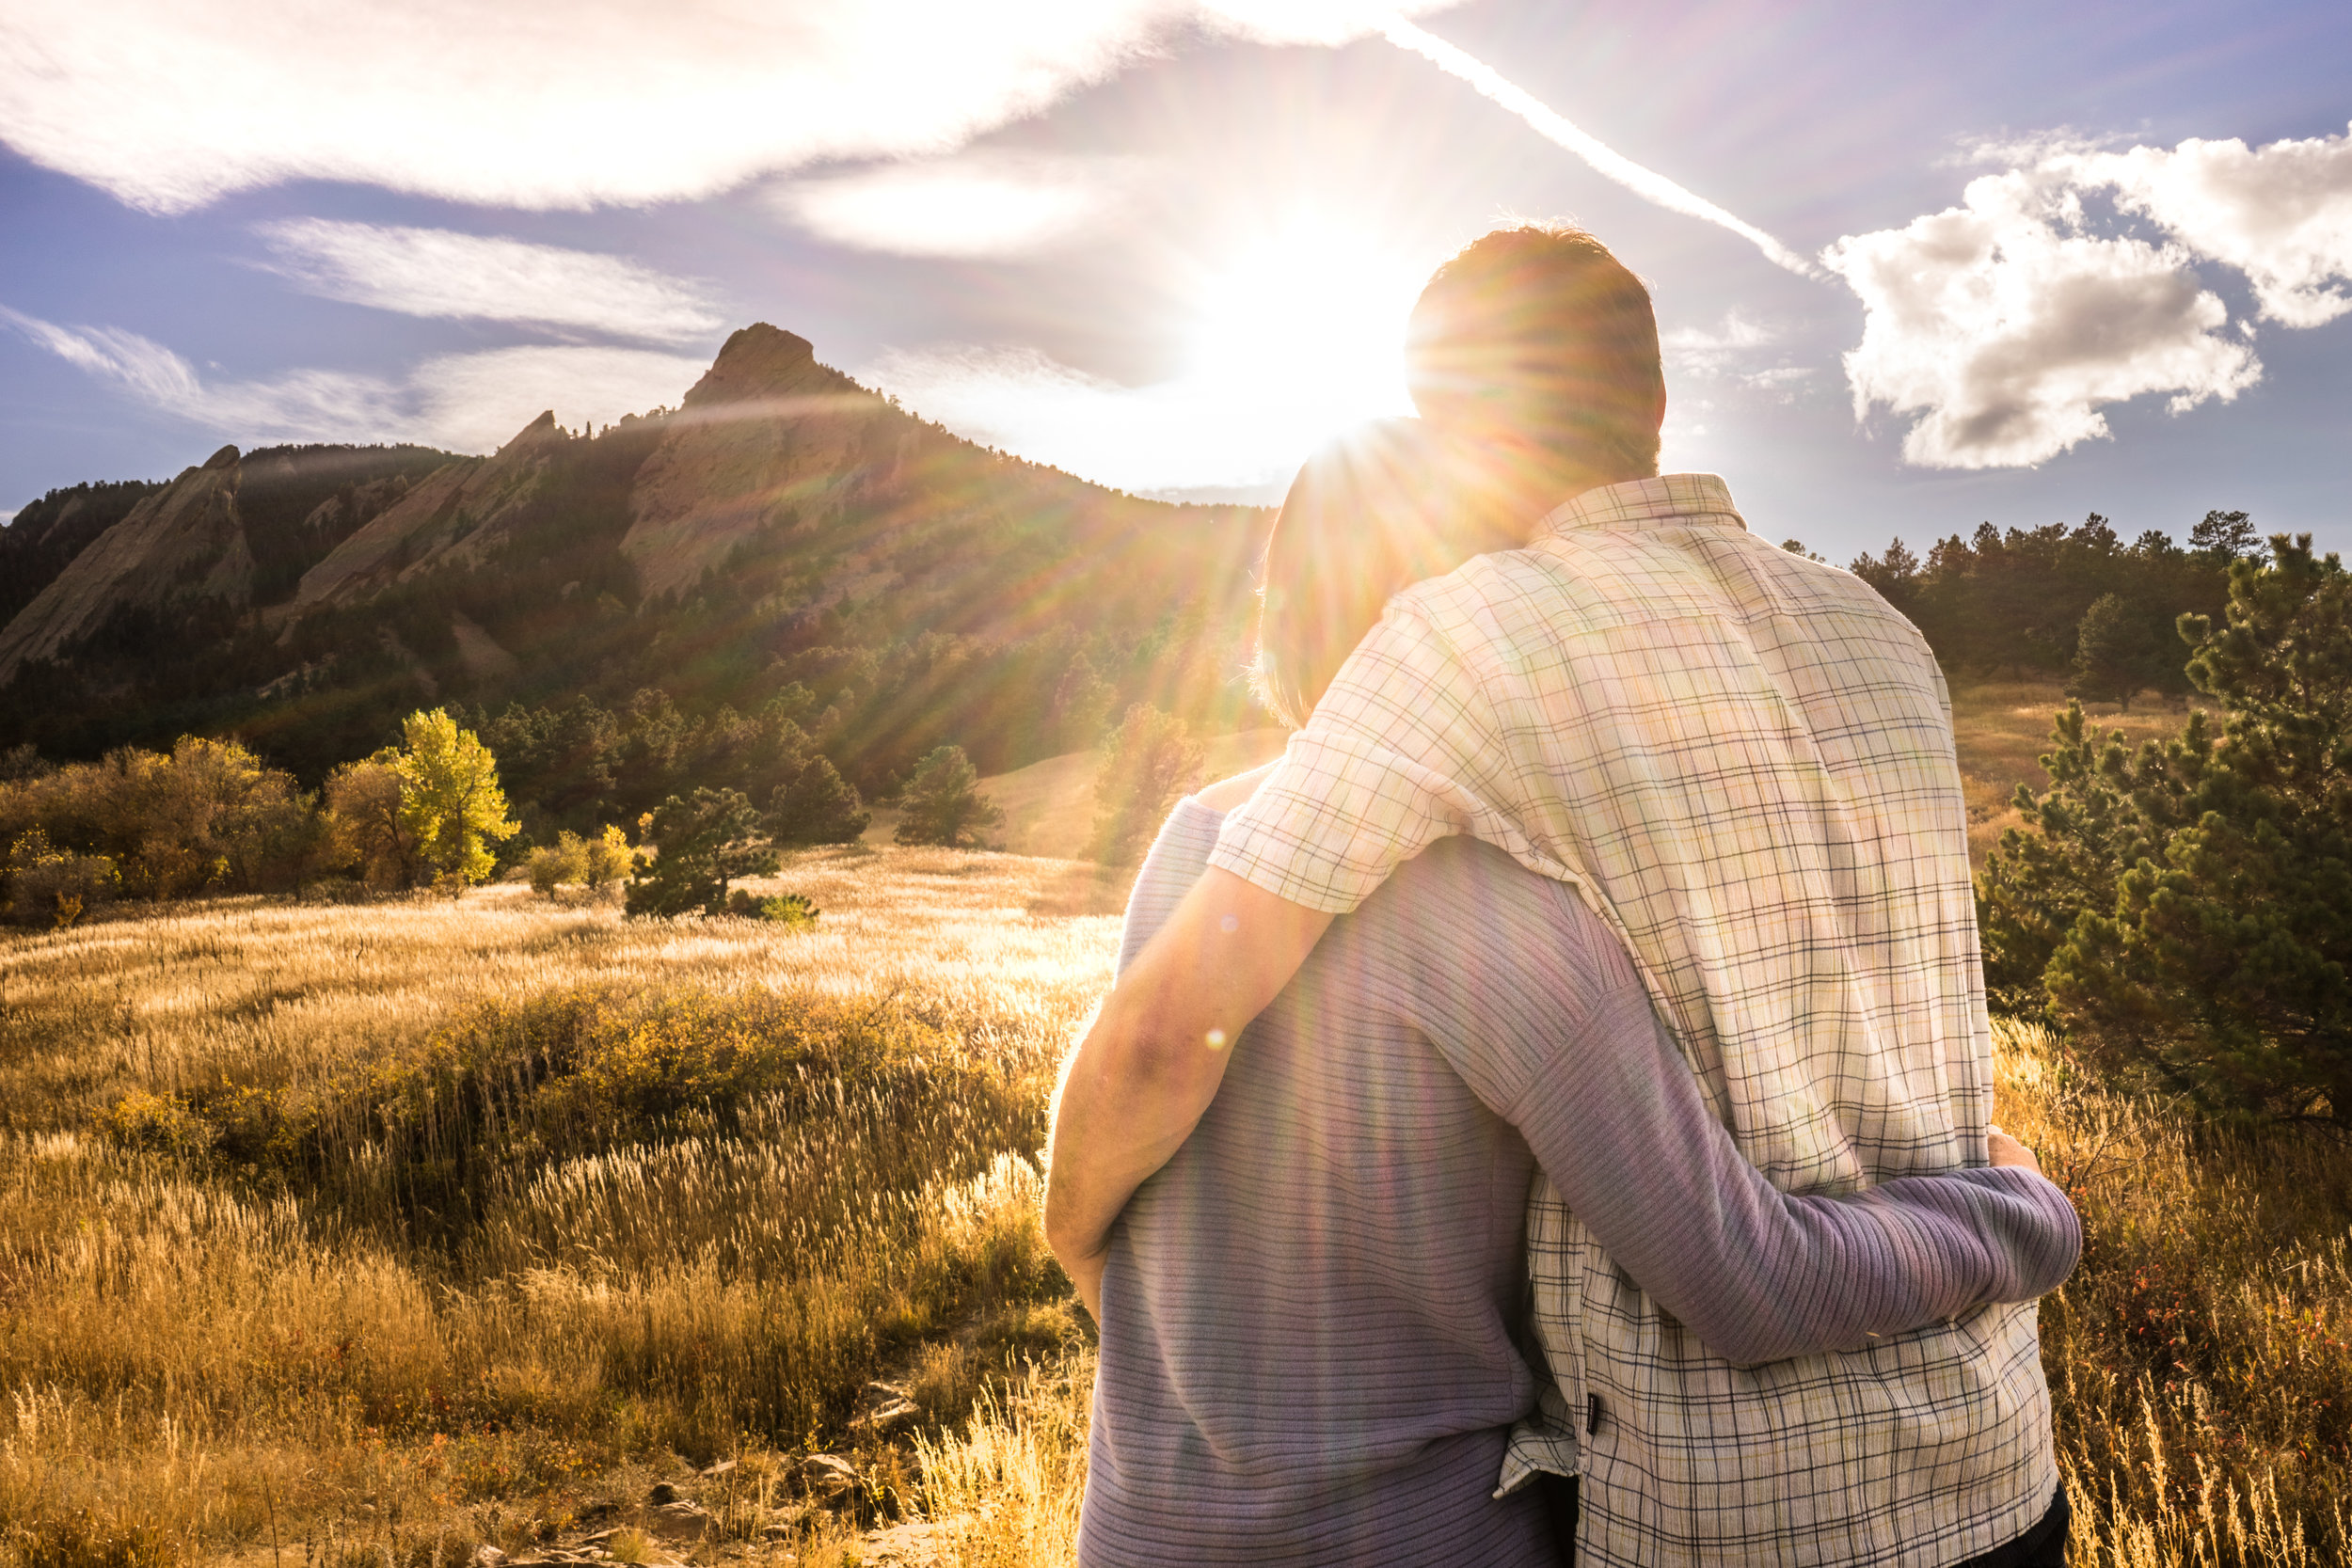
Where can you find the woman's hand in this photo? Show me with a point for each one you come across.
(2007, 1150)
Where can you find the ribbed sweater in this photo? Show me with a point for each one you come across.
(1313, 1329)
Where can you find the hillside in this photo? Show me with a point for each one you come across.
(785, 542)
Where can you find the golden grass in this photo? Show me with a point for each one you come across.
(344, 1233)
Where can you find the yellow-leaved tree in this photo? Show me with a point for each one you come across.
(450, 799)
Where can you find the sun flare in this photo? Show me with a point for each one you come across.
(1305, 330)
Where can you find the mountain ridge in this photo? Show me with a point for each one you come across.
(784, 534)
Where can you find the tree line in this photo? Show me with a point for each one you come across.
(2055, 601)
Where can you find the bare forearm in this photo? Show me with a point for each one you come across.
(1151, 1065)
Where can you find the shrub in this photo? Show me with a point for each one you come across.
(2187, 906)
(1149, 762)
(604, 860)
(790, 908)
(943, 803)
(550, 865)
(48, 886)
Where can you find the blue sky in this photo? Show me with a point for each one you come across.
(2063, 259)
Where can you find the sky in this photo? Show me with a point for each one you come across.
(1916, 267)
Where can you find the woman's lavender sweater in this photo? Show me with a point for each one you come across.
(1312, 1315)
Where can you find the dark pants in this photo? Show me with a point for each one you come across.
(2043, 1547)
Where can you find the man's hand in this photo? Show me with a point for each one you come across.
(2006, 1151)
(1140, 1081)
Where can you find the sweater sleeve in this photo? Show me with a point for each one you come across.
(1176, 861)
(1561, 1039)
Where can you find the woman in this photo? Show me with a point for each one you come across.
(1312, 1316)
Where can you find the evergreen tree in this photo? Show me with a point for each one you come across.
(1148, 763)
(700, 843)
(2219, 962)
(2115, 657)
(819, 806)
(450, 799)
(943, 803)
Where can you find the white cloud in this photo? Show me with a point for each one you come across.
(2281, 213)
(172, 104)
(436, 272)
(2008, 324)
(461, 401)
(978, 204)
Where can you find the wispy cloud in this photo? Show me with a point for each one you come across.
(462, 402)
(976, 204)
(172, 104)
(437, 271)
(2010, 322)
(1731, 352)
(1604, 160)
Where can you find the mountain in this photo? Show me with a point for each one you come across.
(785, 542)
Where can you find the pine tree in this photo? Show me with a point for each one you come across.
(2115, 657)
(942, 805)
(1148, 763)
(701, 843)
(2220, 963)
(819, 806)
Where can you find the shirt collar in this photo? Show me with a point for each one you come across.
(1668, 499)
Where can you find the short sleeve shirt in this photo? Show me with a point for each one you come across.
(1743, 760)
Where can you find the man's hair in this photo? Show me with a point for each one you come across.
(1375, 510)
(1538, 335)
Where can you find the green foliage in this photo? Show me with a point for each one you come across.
(700, 843)
(1150, 762)
(450, 799)
(2013, 602)
(819, 806)
(789, 909)
(2115, 654)
(2187, 905)
(943, 803)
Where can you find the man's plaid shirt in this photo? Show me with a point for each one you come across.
(1743, 760)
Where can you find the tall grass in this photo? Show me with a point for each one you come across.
(470, 1217)
(381, 1230)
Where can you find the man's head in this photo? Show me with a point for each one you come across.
(1537, 339)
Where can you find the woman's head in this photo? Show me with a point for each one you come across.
(1377, 510)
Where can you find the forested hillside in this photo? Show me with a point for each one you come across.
(783, 560)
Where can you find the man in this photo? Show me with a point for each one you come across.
(1743, 763)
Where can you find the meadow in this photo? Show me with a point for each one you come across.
(366, 1234)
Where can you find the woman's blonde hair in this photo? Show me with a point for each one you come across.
(1375, 510)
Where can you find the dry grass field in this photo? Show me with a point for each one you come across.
(356, 1236)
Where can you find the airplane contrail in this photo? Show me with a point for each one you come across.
(1646, 183)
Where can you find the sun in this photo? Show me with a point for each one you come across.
(1305, 330)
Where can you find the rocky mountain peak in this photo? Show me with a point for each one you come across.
(225, 458)
(758, 361)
